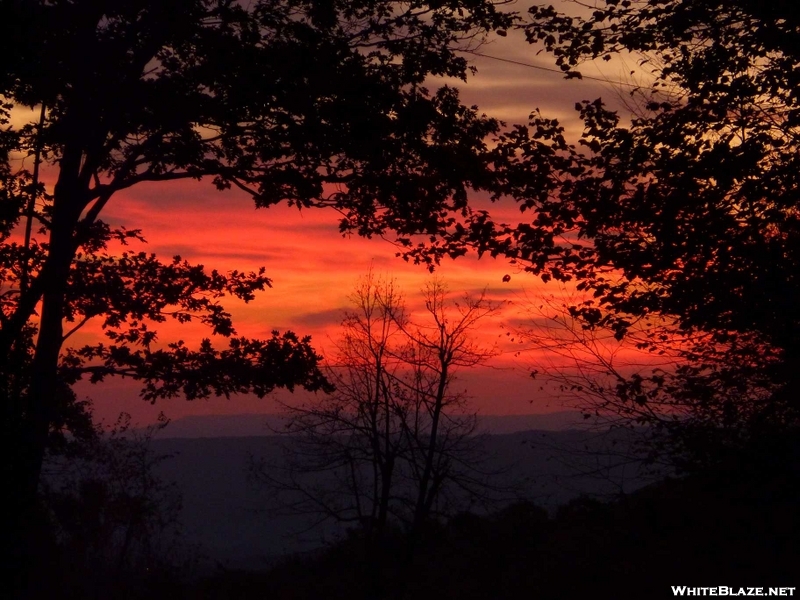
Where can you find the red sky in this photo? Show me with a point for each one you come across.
(314, 269)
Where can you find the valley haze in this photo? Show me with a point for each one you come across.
(235, 525)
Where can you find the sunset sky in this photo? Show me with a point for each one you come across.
(314, 269)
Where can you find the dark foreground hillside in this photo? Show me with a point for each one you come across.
(737, 527)
(676, 533)
(694, 532)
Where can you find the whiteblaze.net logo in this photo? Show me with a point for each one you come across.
(724, 590)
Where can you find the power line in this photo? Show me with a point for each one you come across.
(549, 69)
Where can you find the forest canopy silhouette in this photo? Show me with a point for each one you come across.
(684, 220)
(333, 114)
(681, 224)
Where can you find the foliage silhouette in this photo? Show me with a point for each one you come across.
(115, 523)
(320, 105)
(685, 220)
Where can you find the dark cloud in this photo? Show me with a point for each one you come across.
(320, 319)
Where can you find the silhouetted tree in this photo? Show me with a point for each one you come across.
(128, 294)
(695, 201)
(394, 439)
(689, 213)
(592, 370)
(288, 100)
(113, 518)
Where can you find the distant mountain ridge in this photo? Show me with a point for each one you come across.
(235, 522)
(249, 425)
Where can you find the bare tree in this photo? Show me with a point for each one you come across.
(437, 351)
(689, 402)
(615, 384)
(394, 436)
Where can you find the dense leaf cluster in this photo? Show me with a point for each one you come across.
(690, 211)
(681, 227)
(286, 100)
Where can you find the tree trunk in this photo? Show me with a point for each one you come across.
(31, 428)
(421, 511)
(386, 492)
